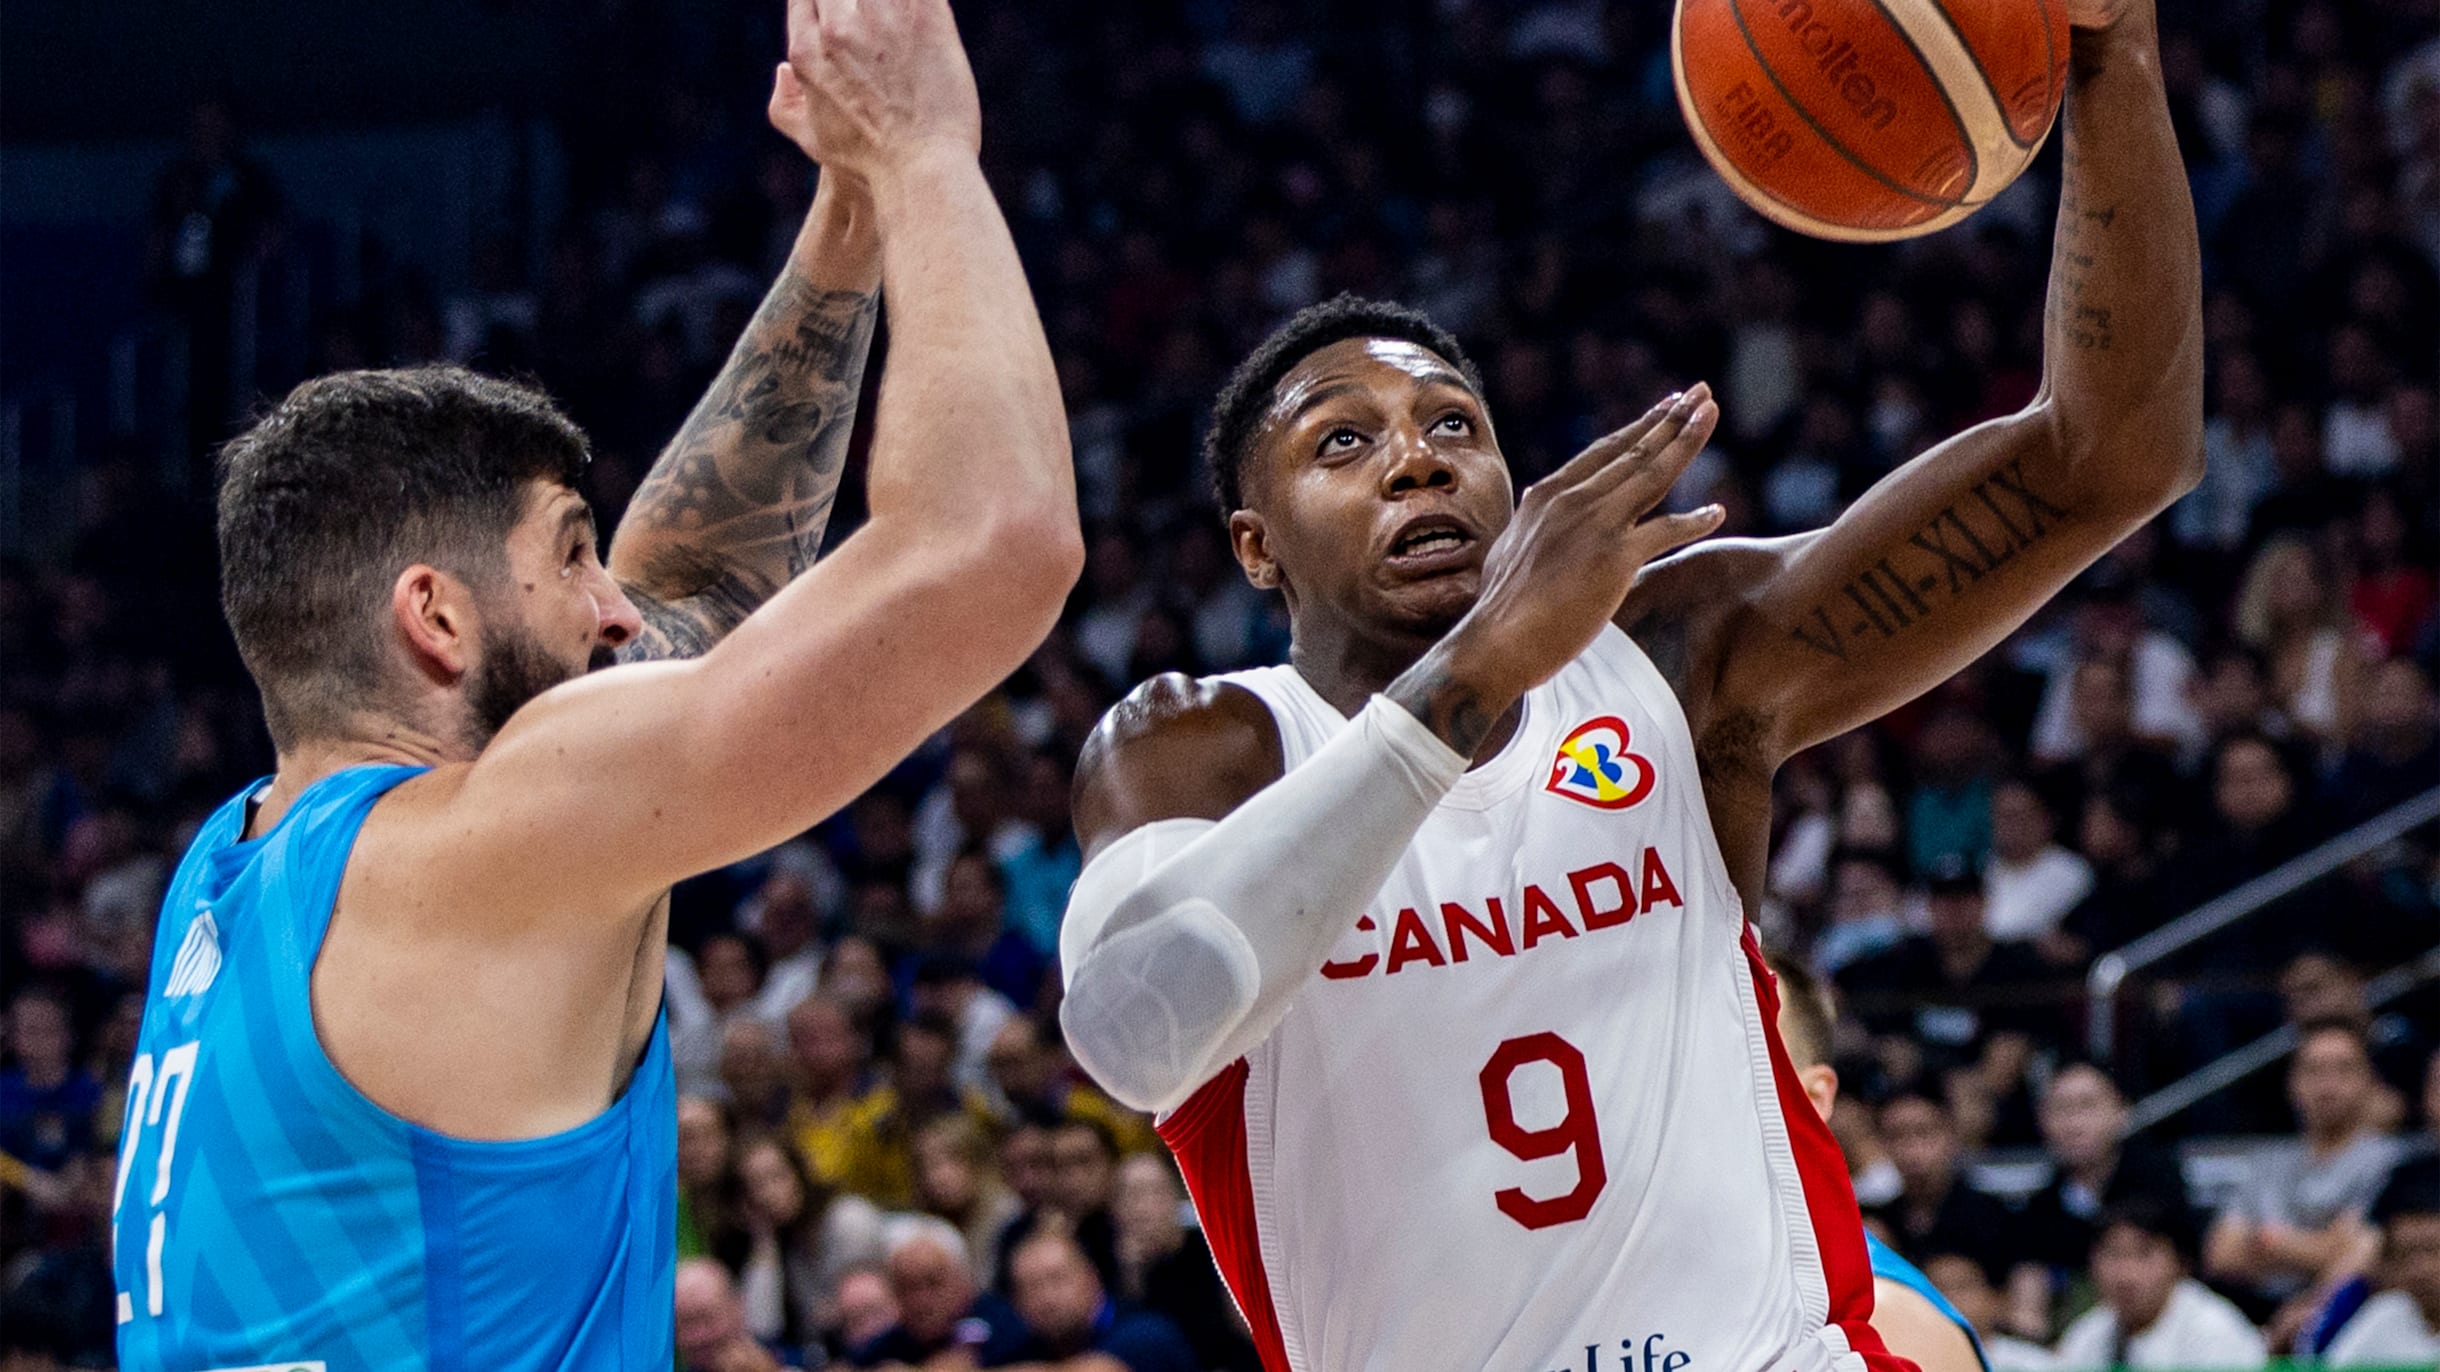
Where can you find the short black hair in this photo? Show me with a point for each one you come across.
(2161, 1217)
(344, 484)
(1247, 394)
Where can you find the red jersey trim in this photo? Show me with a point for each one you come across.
(1207, 1136)
(1838, 1225)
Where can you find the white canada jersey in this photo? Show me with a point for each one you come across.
(1532, 1115)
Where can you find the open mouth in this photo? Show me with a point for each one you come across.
(1430, 543)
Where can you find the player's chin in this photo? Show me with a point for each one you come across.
(1432, 604)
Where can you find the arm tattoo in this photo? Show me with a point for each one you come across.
(2079, 309)
(737, 503)
(1999, 517)
(1446, 706)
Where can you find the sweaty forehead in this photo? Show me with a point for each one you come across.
(1360, 363)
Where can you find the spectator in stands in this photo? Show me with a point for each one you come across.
(2394, 754)
(941, 1308)
(956, 1179)
(1937, 1211)
(1867, 909)
(1957, 1008)
(2153, 1313)
(1082, 1179)
(712, 1333)
(786, 915)
(707, 992)
(2122, 838)
(858, 978)
(2292, 1222)
(2114, 757)
(1948, 817)
(755, 1075)
(2392, 597)
(832, 1059)
(2231, 694)
(67, 1283)
(1037, 875)
(2290, 612)
(2093, 1167)
(46, 1100)
(2399, 1327)
(2154, 670)
(789, 1239)
(971, 926)
(1068, 1312)
(2031, 881)
(1165, 1265)
(1968, 1287)
(948, 990)
(1032, 1074)
(920, 1089)
(703, 1165)
(867, 1310)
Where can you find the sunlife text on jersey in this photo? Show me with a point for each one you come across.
(1657, 1356)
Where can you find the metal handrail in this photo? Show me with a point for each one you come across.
(2111, 970)
(2239, 1063)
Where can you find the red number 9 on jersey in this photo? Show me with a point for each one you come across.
(1576, 1130)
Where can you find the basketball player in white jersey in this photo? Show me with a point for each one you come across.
(1430, 948)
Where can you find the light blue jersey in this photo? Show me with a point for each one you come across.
(270, 1216)
(1888, 1266)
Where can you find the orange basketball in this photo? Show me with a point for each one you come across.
(1868, 120)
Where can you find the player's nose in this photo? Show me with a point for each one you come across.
(1414, 464)
(619, 621)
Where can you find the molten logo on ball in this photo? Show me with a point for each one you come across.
(1837, 64)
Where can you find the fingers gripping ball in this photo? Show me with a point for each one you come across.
(1869, 120)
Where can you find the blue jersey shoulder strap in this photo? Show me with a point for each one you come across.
(1888, 1266)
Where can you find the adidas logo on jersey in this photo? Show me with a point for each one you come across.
(198, 959)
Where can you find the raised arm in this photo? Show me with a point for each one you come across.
(735, 507)
(1942, 558)
(608, 788)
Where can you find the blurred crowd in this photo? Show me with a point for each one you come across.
(887, 1158)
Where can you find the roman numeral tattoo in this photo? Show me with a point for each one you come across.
(2001, 516)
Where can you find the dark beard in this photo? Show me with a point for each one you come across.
(514, 669)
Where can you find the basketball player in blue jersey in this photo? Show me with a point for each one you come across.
(403, 1094)
(1908, 1312)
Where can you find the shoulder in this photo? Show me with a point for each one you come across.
(1678, 607)
(1174, 707)
(1175, 748)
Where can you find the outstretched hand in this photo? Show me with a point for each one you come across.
(870, 82)
(1559, 571)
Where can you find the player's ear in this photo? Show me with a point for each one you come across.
(1250, 539)
(1821, 1086)
(433, 615)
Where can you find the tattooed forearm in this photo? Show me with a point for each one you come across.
(737, 503)
(2001, 516)
(688, 628)
(1453, 709)
(2079, 306)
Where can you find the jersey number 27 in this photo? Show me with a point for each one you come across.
(150, 1086)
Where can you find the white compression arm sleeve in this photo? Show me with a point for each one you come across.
(1186, 939)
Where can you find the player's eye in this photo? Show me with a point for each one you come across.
(1454, 422)
(1339, 440)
